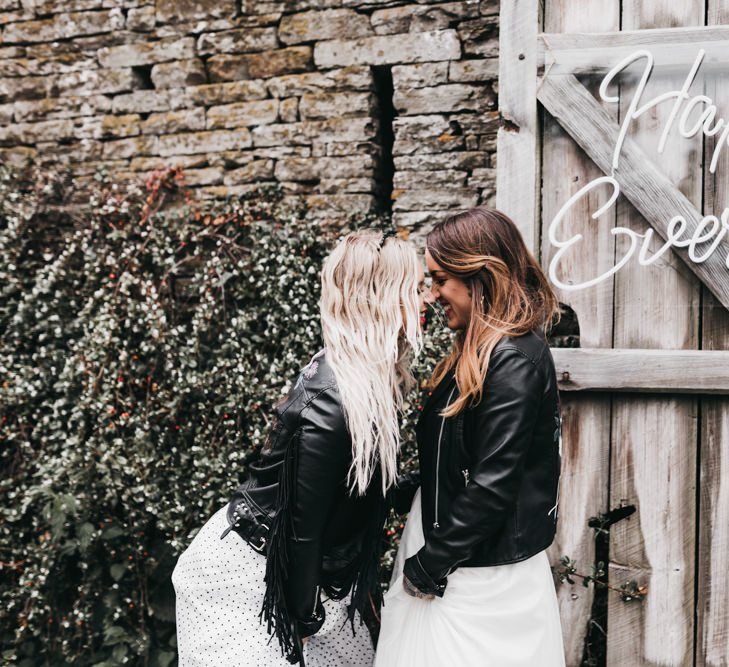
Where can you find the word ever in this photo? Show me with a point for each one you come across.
(676, 229)
(710, 229)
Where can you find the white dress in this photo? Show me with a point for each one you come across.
(219, 593)
(499, 616)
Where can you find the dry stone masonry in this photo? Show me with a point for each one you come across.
(352, 105)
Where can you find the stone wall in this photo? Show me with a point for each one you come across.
(353, 105)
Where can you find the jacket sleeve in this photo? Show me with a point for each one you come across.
(503, 424)
(404, 491)
(323, 454)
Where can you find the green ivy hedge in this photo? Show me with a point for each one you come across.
(144, 339)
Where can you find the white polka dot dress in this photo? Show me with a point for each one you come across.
(219, 589)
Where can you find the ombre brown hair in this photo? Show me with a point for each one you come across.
(510, 295)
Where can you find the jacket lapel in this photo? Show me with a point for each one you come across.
(429, 401)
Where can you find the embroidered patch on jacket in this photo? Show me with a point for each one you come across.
(310, 371)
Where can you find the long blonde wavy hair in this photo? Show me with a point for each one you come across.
(370, 321)
(509, 293)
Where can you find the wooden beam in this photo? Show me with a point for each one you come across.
(659, 371)
(518, 137)
(672, 48)
(645, 186)
(712, 604)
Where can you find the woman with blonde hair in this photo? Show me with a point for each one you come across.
(302, 531)
(472, 584)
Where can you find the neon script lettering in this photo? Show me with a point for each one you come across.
(710, 229)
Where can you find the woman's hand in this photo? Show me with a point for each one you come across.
(412, 590)
(304, 640)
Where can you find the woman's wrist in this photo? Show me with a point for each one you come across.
(414, 591)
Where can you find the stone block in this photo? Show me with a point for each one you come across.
(175, 11)
(204, 176)
(443, 99)
(204, 142)
(152, 163)
(463, 71)
(106, 127)
(419, 222)
(141, 19)
(489, 7)
(146, 101)
(131, 147)
(259, 65)
(147, 53)
(389, 49)
(179, 74)
(320, 25)
(425, 134)
(338, 204)
(241, 40)
(167, 122)
(336, 185)
(283, 61)
(433, 198)
(480, 37)
(419, 180)
(310, 169)
(31, 133)
(419, 75)
(482, 178)
(257, 112)
(255, 170)
(63, 26)
(90, 81)
(305, 132)
(334, 105)
(422, 17)
(24, 88)
(224, 93)
(347, 78)
(288, 110)
(442, 161)
(7, 112)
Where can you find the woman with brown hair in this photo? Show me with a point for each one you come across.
(472, 584)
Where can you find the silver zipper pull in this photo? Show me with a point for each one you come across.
(465, 475)
(436, 524)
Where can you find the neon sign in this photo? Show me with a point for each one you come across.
(711, 229)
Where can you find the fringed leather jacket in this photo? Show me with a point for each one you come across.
(295, 508)
(489, 476)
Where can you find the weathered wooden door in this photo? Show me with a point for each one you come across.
(646, 395)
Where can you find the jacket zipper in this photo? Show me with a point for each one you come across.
(465, 473)
(316, 597)
(437, 462)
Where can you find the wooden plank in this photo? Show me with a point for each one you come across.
(634, 370)
(517, 162)
(596, 53)
(645, 186)
(653, 452)
(712, 605)
(586, 417)
(583, 494)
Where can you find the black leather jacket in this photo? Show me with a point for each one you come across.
(295, 507)
(490, 475)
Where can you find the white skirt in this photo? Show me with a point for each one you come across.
(498, 616)
(219, 591)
